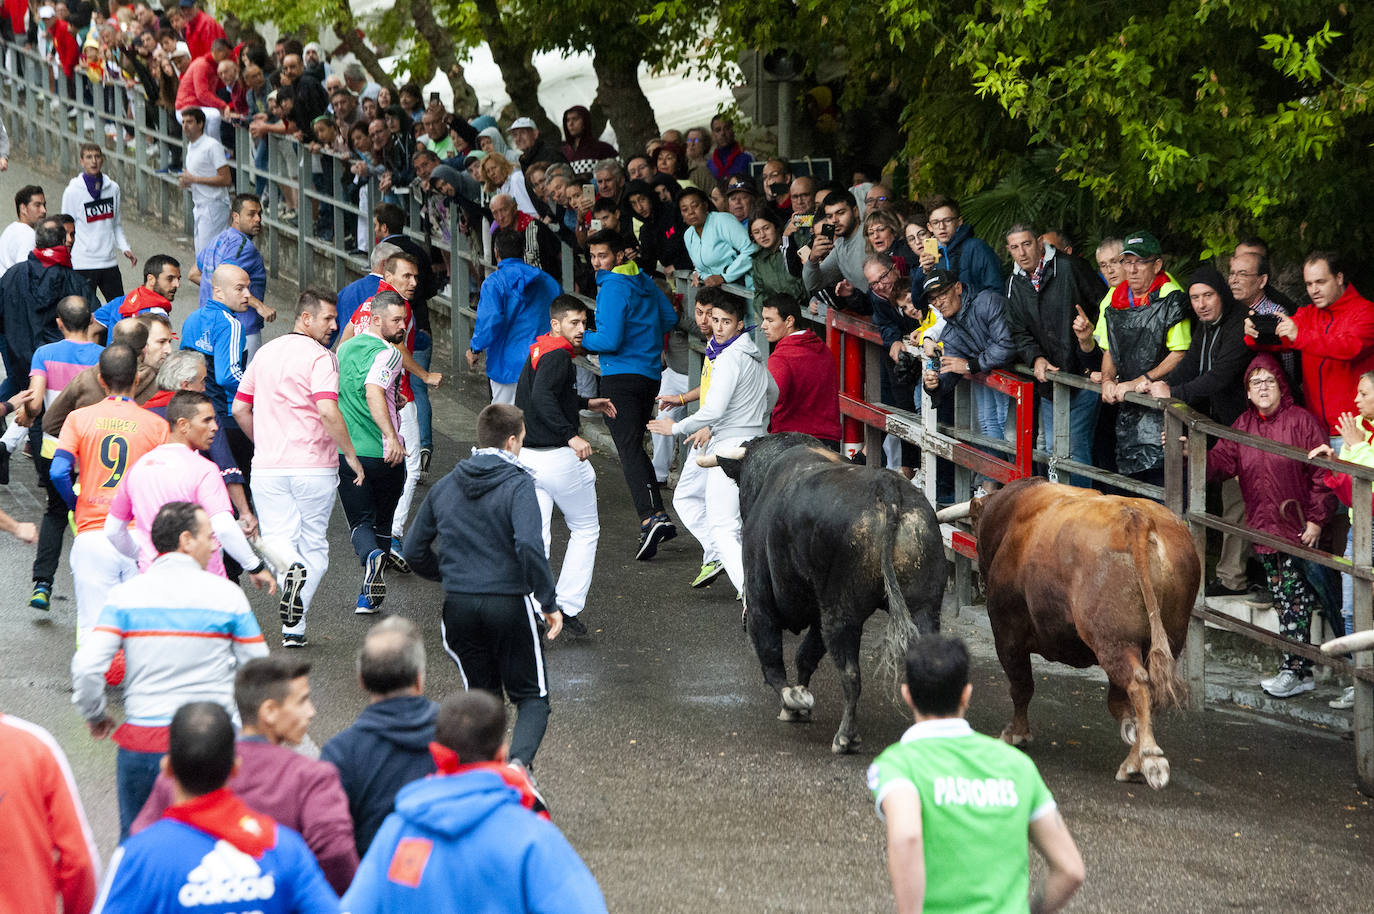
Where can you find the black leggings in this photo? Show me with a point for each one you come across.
(633, 396)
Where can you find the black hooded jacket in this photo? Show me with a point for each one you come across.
(1209, 379)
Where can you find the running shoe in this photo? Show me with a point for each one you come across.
(293, 641)
(1344, 703)
(574, 626)
(1288, 683)
(374, 584)
(395, 560)
(425, 455)
(658, 530)
(42, 594)
(709, 572)
(365, 606)
(292, 607)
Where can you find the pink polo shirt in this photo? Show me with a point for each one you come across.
(293, 373)
(169, 472)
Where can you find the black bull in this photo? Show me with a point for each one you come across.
(826, 543)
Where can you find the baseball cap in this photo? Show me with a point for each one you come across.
(741, 184)
(475, 155)
(1142, 244)
(181, 50)
(46, 12)
(937, 281)
(186, 3)
(524, 123)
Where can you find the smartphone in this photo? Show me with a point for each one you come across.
(804, 221)
(828, 230)
(596, 225)
(931, 247)
(1268, 326)
(434, 98)
(589, 193)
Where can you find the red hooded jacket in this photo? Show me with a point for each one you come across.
(1281, 495)
(808, 387)
(1337, 346)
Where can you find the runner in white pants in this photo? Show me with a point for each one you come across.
(298, 434)
(672, 403)
(206, 174)
(555, 451)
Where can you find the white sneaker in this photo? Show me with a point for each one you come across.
(1287, 684)
(1345, 702)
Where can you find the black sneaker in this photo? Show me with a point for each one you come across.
(395, 561)
(1218, 589)
(292, 607)
(425, 455)
(659, 530)
(575, 626)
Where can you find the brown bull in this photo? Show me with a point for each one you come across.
(1083, 578)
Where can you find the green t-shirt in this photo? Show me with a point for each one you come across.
(366, 359)
(978, 798)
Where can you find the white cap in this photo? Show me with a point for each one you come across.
(46, 12)
(181, 50)
(524, 123)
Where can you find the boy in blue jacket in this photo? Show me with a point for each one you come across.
(632, 317)
(471, 838)
(512, 311)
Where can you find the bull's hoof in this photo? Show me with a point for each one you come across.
(1016, 739)
(798, 698)
(1156, 771)
(843, 745)
(794, 717)
(1128, 730)
(1127, 772)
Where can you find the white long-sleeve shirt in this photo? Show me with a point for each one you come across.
(99, 224)
(739, 397)
(185, 632)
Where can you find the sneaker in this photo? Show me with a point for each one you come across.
(292, 607)
(574, 626)
(374, 584)
(365, 606)
(659, 530)
(1218, 589)
(394, 559)
(42, 594)
(4, 465)
(1345, 702)
(425, 455)
(708, 573)
(1288, 683)
(293, 641)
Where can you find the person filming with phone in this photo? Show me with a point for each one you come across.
(835, 259)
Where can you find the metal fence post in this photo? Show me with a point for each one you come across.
(304, 188)
(460, 288)
(1363, 543)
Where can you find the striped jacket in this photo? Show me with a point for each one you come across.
(184, 632)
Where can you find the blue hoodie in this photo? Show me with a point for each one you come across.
(464, 843)
(632, 316)
(386, 748)
(215, 332)
(971, 258)
(512, 311)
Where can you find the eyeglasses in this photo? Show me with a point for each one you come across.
(693, 141)
(943, 298)
(871, 200)
(1259, 383)
(943, 223)
(884, 280)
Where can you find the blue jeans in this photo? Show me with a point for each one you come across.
(135, 773)
(1083, 406)
(424, 352)
(991, 407)
(260, 163)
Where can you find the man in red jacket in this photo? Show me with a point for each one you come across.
(273, 698)
(1335, 335)
(198, 27)
(804, 370)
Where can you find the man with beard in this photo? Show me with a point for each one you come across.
(235, 246)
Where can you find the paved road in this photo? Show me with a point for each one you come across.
(667, 769)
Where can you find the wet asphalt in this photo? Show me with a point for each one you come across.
(665, 766)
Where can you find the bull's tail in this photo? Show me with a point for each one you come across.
(900, 629)
(1167, 688)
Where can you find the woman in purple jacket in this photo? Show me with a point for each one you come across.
(1283, 498)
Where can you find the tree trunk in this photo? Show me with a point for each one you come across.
(627, 108)
(514, 55)
(347, 33)
(444, 54)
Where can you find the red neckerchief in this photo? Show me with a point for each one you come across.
(222, 815)
(59, 256)
(522, 221)
(141, 299)
(1121, 295)
(724, 167)
(547, 343)
(446, 763)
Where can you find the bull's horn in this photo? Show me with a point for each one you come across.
(731, 453)
(708, 460)
(954, 512)
(1360, 641)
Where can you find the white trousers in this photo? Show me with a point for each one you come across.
(96, 567)
(502, 393)
(410, 436)
(561, 480)
(691, 499)
(293, 516)
(211, 219)
(671, 384)
(212, 122)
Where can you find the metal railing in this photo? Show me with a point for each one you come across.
(859, 348)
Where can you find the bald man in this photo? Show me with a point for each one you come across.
(215, 332)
